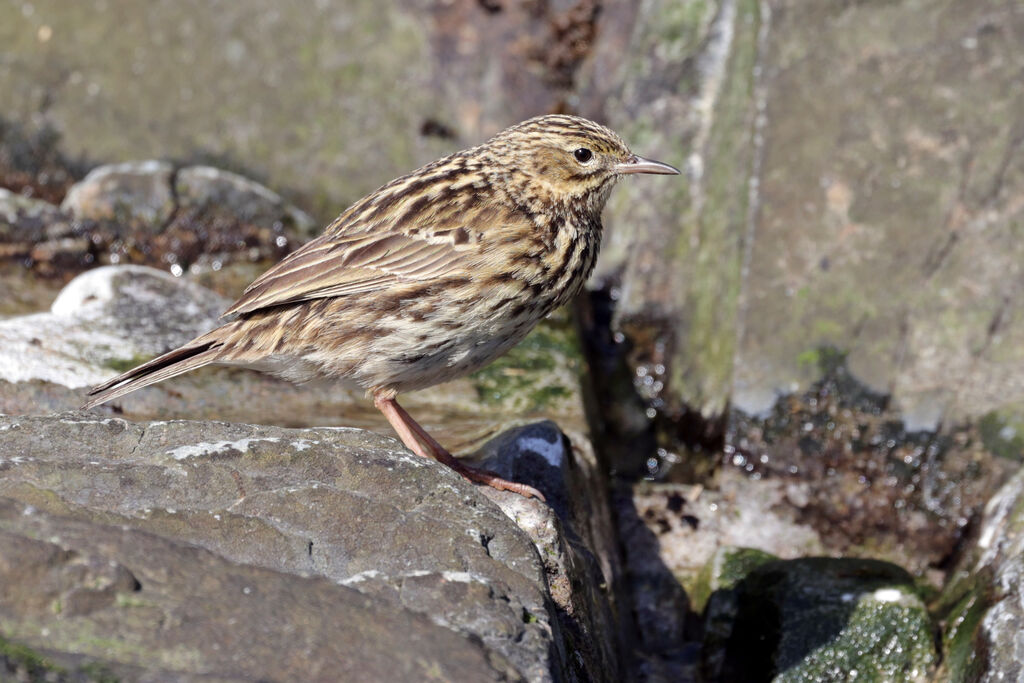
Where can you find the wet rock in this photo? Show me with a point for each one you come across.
(346, 505)
(153, 213)
(814, 619)
(671, 533)
(852, 470)
(573, 532)
(690, 523)
(982, 605)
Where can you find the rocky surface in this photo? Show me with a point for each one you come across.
(154, 213)
(113, 508)
(982, 606)
(814, 619)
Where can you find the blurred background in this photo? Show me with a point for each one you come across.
(819, 329)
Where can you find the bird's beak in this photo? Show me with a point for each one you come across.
(635, 164)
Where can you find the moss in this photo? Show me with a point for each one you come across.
(1003, 435)
(726, 568)
(19, 658)
(542, 370)
(866, 646)
(125, 364)
(958, 637)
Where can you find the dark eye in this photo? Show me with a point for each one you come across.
(583, 155)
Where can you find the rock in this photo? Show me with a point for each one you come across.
(105, 320)
(121, 501)
(135, 603)
(671, 533)
(573, 532)
(38, 235)
(814, 619)
(881, 190)
(24, 222)
(136, 195)
(690, 524)
(151, 212)
(303, 100)
(204, 189)
(134, 313)
(851, 470)
(687, 95)
(982, 604)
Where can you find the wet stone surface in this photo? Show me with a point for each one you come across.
(815, 619)
(852, 471)
(982, 607)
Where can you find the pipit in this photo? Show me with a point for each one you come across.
(427, 279)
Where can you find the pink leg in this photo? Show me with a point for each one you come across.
(417, 440)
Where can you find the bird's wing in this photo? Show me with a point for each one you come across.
(337, 265)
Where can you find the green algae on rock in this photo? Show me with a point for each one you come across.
(815, 619)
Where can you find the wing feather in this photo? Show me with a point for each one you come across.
(372, 262)
(413, 229)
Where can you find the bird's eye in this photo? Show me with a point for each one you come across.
(583, 155)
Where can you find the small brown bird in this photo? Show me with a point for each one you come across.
(429, 278)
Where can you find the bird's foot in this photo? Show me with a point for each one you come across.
(482, 476)
(419, 441)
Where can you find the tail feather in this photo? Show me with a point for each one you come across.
(195, 354)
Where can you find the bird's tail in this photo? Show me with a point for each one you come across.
(195, 354)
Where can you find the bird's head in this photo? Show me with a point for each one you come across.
(568, 158)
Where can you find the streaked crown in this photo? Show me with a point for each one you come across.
(568, 156)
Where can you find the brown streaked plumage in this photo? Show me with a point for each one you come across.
(429, 278)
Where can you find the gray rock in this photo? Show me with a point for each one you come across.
(135, 194)
(342, 504)
(881, 191)
(127, 599)
(38, 235)
(205, 189)
(24, 220)
(105, 320)
(304, 99)
(674, 251)
(151, 212)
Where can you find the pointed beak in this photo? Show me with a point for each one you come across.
(635, 164)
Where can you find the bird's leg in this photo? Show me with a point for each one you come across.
(419, 441)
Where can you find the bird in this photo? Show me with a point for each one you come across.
(428, 278)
